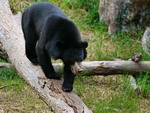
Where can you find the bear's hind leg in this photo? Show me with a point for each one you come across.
(30, 44)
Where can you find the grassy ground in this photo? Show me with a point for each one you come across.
(112, 94)
(16, 96)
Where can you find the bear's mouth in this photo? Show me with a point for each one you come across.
(76, 68)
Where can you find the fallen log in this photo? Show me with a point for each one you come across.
(11, 37)
(111, 67)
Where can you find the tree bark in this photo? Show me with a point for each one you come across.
(11, 37)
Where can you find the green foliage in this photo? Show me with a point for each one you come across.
(144, 83)
(119, 104)
(90, 6)
(3, 60)
(135, 34)
(8, 73)
(10, 79)
(16, 96)
(112, 94)
(123, 45)
(19, 5)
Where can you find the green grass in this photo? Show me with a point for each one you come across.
(10, 80)
(111, 94)
(16, 96)
(144, 83)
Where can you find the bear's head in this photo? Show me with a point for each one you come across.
(75, 53)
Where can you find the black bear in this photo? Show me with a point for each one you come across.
(50, 34)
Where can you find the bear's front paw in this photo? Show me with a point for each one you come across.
(54, 76)
(67, 88)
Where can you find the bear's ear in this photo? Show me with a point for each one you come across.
(84, 44)
(60, 44)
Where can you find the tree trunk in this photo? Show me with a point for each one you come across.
(11, 37)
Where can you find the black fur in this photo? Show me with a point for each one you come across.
(49, 33)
